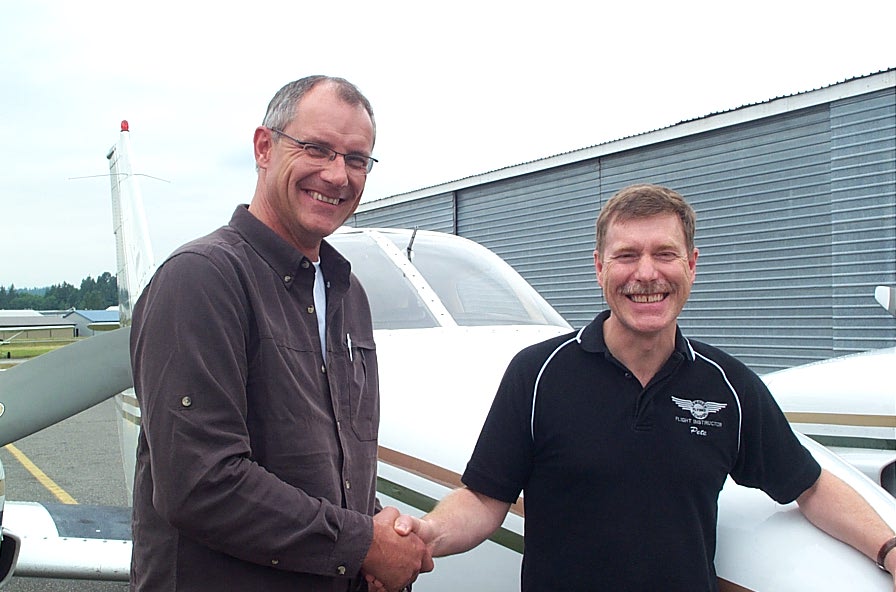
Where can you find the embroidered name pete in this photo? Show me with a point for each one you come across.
(699, 411)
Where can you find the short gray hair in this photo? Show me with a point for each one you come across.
(282, 108)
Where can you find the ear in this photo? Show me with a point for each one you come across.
(692, 264)
(263, 144)
(598, 268)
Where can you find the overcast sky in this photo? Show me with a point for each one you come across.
(457, 91)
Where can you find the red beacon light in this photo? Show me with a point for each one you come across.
(124, 125)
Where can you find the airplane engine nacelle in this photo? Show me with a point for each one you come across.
(9, 543)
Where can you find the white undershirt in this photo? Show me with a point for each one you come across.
(320, 305)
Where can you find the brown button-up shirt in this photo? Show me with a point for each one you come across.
(256, 465)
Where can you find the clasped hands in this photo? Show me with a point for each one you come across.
(399, 551)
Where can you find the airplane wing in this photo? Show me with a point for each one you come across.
(58, 540)
(71, 541)
(87, 371)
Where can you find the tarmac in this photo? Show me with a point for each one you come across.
(81, 455)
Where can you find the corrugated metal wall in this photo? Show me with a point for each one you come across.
(435, 212)
(796, 225)
(863, 217)
(761, 193)
(542, 224)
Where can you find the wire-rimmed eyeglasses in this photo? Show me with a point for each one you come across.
(355, 162)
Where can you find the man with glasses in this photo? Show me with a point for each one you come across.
(254, 365)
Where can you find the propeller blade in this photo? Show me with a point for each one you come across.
(61, 383)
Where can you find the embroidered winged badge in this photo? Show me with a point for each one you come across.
(699, 409)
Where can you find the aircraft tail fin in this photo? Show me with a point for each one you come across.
(134, 255)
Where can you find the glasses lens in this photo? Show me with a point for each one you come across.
(359, 163)
(318, 152)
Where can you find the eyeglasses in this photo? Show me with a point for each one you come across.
(355, 162)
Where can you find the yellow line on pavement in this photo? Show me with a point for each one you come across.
(41, 477)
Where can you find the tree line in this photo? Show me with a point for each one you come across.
(94, 294)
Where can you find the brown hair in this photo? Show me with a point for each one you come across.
(642, 201)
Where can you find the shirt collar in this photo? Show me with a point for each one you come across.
(591, 338)
(286, 261)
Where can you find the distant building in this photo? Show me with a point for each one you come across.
(19, 313)
(31, 328)
(796, 219)
(89, 322)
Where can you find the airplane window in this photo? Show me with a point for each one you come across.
(475, 285)
(394, 303)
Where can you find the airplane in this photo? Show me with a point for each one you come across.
(848, 404)
(448, 314)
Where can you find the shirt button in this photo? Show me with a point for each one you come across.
(338, 426)
(287, 278)
(340, 570)
(323, 369)
(305, 264)
(186, 401)
(310, 309)
(347, 484)
(275, 562)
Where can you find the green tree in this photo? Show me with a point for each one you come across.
(23, 301)
(8, 296)
(107, 286)
(60, 296)
(94, 294)
(88, 299)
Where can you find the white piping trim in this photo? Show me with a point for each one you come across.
(577, 339)
(740, 413)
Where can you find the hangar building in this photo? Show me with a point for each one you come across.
(796, 219)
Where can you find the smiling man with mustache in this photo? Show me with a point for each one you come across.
(622, 434)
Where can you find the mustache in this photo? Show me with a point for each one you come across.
(641, 288)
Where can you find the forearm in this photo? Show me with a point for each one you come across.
(834, 507)
(250, 514)
(462, 520)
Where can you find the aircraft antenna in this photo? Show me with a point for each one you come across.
(410, 248)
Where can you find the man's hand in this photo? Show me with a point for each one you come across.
(407, 524)
(394, 560)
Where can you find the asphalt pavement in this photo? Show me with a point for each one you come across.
(81, 455)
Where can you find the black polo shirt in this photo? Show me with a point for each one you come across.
(621, 482)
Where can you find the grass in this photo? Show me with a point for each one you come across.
(28, 349)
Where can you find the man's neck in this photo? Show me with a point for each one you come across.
(643, 354)
(261, 210)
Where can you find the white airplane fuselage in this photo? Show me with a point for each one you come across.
(848, 404)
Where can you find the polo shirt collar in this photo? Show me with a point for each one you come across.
(591, 338)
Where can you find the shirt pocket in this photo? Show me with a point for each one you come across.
(364, 388)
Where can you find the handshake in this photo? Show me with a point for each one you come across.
(401, 550)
